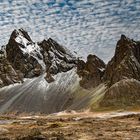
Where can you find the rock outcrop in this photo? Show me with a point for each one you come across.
(91, 72)
(125, 63)
(24, 55)
(56, 58)
(122, 75)
(7, 73)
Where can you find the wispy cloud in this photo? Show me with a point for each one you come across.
(85, 26)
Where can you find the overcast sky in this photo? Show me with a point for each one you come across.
(84, 26)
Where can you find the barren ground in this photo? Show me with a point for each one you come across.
(72, 126)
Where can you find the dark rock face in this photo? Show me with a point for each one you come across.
(125, 63)
(122, 75)
(56, 57)
(91, 72)
(23, 54)
(32, 59)
(7, 74)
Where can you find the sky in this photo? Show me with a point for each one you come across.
(83, 26)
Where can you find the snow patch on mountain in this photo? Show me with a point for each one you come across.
(30, 48)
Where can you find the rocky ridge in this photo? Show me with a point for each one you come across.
(91, 71)
(122, 75)
(125, 63)
(57, 81)
(29, 59)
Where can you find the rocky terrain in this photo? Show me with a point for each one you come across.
(125, 64)
(91, 71)
(45, 77)
(72, 126)
(122, 75)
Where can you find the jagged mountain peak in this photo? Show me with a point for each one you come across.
(52, 45)
(125, 45)
(21, 43)
(56, 46)
(96, 61)
(125, 62)
(91, 71)
(24, 55)
(24, 41)
(123, 37)
(32, 59)
(20, 36)
(23, 33)
(56, 57)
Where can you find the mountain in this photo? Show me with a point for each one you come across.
(91, 71)
(56, 58)
(42, 75)
(122, 75)
(32, 59)
(125, 63)
(45, 77)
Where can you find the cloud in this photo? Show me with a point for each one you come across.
(86, 26)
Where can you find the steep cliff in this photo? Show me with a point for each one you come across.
(91, 71)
